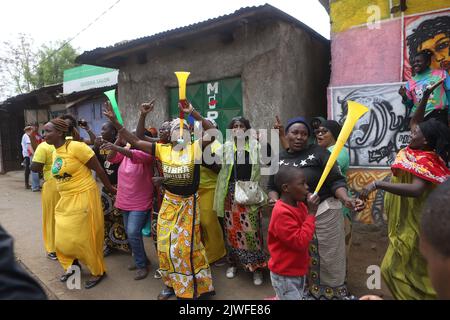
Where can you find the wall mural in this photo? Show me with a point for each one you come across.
(427, 31)
(381, 132)
(358, 179)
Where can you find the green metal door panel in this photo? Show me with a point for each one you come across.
(220, 100)
(225, 117)
(195, 94)
(231, 92)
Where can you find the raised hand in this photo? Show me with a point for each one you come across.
(402, 91)
(147, 107)
(109, 112)
(185, 106)
(278, 125)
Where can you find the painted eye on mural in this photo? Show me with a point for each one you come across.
(443, 45)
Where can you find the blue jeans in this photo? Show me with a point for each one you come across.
(288, 288)
(35, 180)
(134, 222)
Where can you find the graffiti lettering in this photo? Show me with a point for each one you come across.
(381, 132)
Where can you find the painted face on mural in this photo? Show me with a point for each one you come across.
(429, 32)
(440, 46)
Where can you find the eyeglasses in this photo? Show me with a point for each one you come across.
(320, 131)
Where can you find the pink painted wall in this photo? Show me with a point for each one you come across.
(364, 56)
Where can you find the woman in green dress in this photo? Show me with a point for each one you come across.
(417, 170)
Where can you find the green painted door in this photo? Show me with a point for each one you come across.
(220, 100)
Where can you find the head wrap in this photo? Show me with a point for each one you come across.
(175, 124)
(295, 120)
(332, 126)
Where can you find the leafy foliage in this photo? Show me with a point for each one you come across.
(23, 67)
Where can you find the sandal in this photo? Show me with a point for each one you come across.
(67, 275)
(107, 251)
(93, 282)
(166, 294)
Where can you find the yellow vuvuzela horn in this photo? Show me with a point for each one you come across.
(355, 111)
(182, 79)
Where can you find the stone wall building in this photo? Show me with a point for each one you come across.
(258, 62)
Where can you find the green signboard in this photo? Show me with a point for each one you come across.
(220, 100)
(87, 77)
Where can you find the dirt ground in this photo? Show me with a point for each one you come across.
(20, 215)
(369, 244)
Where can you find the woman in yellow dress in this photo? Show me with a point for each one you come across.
(182, 258)
(78, 215)
(212, 234)
(42, 162)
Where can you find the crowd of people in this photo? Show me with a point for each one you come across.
(158, 183)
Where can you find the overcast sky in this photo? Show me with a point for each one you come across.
(50, 20)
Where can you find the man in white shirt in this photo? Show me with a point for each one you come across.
(27, 153)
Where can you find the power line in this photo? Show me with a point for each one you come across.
(84, 29)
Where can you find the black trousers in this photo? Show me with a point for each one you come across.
(27, 170)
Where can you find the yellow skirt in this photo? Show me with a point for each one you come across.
(212, 234)
(50, 197)
(182, 258)
(79, 230)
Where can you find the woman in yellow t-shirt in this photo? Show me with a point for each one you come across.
(182, 259)
(42, 162)
(78, 215)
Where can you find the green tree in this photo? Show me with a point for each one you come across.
(17, 62)
(23, 67)
(53, 59)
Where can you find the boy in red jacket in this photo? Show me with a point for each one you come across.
(291, 229)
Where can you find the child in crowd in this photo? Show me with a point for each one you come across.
(291, 229)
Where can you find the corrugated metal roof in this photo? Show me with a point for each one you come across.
(91, 57)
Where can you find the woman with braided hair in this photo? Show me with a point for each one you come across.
(78, 215)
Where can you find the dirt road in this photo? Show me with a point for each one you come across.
(20, 215)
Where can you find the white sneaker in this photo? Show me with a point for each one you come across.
(257, 278)
(231, 272)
